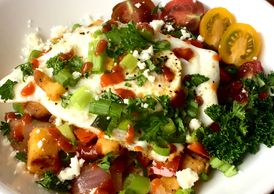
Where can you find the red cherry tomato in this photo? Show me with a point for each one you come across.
(198, 148)
(133, 10)
(184, 13)
(250, 69)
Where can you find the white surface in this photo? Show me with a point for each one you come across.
(257, 172)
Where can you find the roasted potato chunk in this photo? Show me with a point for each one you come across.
(36, 110)
(53, 89)
(42, 152)
(195, 163)
(104, 146)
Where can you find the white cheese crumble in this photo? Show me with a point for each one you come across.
(200, 38)
(158, 157)
(135, 54)
(186, 178)
(146, 54)
(169, 27)
(32, 41)
(138, 5)
(126, 101)
(194, 124)
(157, 24)
(73, 170)
(76, 74)
(149, 77)
(58, 121)
(185, 34)
(58, 31)
(141, 65)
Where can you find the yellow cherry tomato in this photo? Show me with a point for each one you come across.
(214, 23)
(240, 43)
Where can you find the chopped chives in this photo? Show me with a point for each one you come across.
(80, 98)
(100, 107)
(164, 151)
(115, 110)
(63, 77)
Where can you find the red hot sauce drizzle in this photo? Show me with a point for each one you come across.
(115, 77)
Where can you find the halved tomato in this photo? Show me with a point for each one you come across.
(134, 10)
(184, 13)
(240, 43)
(214, 23)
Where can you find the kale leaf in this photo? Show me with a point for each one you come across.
(105, 162)
(51, 182)
(194, 80)
(5, 128)
(22, 156)
(7, 90)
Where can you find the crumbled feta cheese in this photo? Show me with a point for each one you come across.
(138, 5)
(186, 178)
(158, 157)
(185, 34)
(73, 170)
(141, 65)
(58, 121)
(146, 54)
(149, 77)
(255, 58)
(76, 74)
(126, 101)
(169, 27)
(29, 23)
(194, 124)
(58, 31)
(200, 38)
(157, 24)
(145, 105)
(32, 41)
(135, 54)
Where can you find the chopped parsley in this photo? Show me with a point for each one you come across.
(5, 128)
(22, 156)
(105, 162)
(73, 64)
(194, 80)
(51, 182)
(243, 127)
(26, 69)
(7, 90)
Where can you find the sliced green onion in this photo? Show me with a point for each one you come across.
(146, 34)
(170, 127)
(66, 131)
(112, 124)
(81, 98)
(129, 63)
(34, 54)
(228, 169)
(136, 184)
(162, 45)
(18, 107)
(115, 110)
(75, 26)
(97, 33)
(192, 109)
(100, 107)
(204, 176)
(63, 77)
(124, 124)
(97, 61)
(164, 151)
(185, 191)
